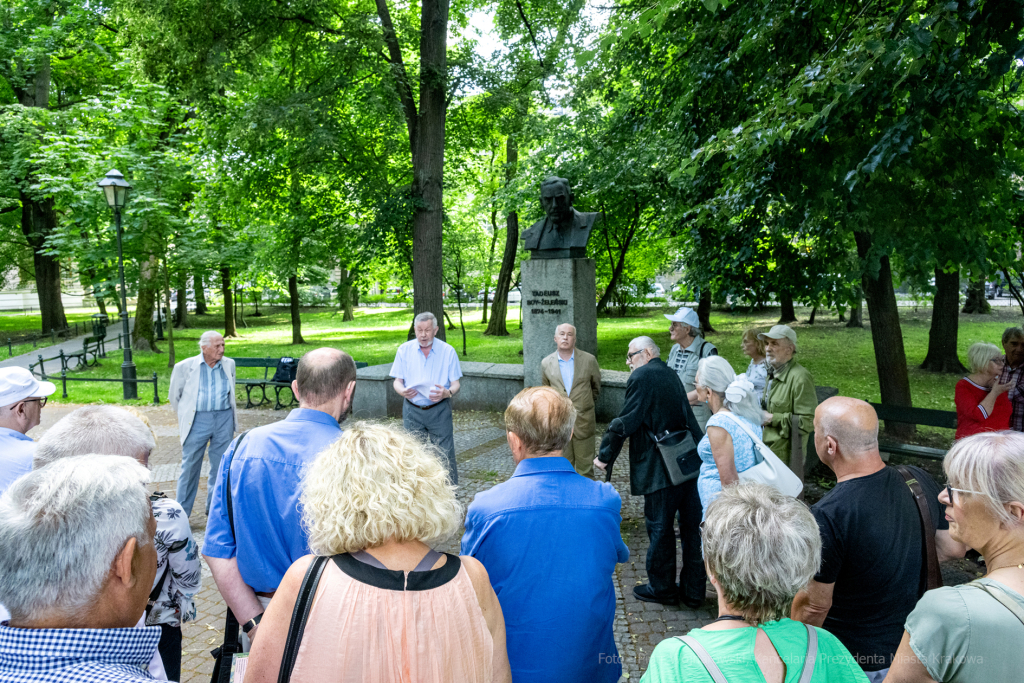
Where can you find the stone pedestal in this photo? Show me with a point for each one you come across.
(556, 291)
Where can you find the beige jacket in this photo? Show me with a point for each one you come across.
(184, 391)
(586, 387)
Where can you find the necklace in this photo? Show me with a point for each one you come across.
(1009, 566)
(730, 617)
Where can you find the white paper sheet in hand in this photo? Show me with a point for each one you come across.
(424, 389)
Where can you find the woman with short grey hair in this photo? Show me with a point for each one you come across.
(726, 449)
(973, 632)
(760, 547)
(981, 401)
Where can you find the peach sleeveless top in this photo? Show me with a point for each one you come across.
(370, 625)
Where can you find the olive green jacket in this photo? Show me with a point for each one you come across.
(790, 392)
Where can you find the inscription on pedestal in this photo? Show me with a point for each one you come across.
(546, 297)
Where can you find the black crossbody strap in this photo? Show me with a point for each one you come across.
(934, 573)
(227, 490)
(300, 614)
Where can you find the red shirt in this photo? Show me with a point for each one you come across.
(971, 418)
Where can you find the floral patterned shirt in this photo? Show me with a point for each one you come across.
(179, 574)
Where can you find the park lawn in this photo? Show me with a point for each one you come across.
(836, 355)
(19, 324)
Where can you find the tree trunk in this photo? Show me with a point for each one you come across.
(170, 326)
(229, 308)
(814, 313)
(619, 265)
(857, 310)
(499, 309)
(788, 313)
(458, 300)
(345, 295)
(101, 304)
(144, 336)
(38, 221)
(490, 259)
(704, 310)
(976, 301)
(293, 292)
(181, 310)
(887, 337)
(197, 283)
(942, 336)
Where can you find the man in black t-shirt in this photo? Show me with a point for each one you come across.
(873, 568)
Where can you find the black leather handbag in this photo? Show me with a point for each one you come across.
(678, 454)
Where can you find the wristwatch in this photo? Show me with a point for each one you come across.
(252, 623)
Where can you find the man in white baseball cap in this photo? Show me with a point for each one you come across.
(22, 398)
(686, 352)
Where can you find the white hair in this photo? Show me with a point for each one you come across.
(991, 463)
(762, 546)
(717, 375)
(62, 526)
(642, 343)
(207, 337)
(981, 354)
(95, 429)
(423, 317)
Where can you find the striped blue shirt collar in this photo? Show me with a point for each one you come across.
(109, 655)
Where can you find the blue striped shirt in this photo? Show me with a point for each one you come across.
(214, 388)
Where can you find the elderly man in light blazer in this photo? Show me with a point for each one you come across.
(203, 395)
(575, 373)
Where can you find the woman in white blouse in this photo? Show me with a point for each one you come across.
(757, 373)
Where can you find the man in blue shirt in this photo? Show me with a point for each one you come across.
(427, 372)
(550, 539)
(249, 560)
(22, 398)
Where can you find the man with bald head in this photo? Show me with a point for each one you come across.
(574, 373)
(547, 522)
(873, 563)
(254, 532)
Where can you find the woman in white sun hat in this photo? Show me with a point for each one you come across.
(687, 350)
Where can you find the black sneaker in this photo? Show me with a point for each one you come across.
(646, 593)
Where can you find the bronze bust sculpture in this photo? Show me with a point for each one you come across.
(564, 231)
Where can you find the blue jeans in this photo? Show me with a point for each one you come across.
(436, 423)
(660, 511)
(215, 428)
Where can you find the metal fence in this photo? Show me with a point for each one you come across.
(98, 351)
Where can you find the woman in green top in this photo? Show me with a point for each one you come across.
(974, 632)
(760, 548)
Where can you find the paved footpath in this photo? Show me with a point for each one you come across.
(73, 345)
(484, 460)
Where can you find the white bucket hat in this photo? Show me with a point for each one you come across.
(17, 384)
(686, 316)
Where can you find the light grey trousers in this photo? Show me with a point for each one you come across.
(216, 428)
(436, 423)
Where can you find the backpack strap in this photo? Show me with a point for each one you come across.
(303, 604)
(812, 655)
(927, 527)
(705, 658)
(227, 490)
(1001, 596)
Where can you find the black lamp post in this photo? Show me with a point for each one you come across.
(115, 187)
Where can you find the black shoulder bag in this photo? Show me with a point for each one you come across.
(931, 557)
(224, 654)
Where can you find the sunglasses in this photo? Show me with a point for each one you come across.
(41, 401)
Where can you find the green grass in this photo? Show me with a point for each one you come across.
(836, 355)
(19, 324)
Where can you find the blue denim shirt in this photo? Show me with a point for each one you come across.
(550, 539)
(16, 453)
(266, 481)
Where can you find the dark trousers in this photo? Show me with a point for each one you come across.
(660, 510)
(170, 650)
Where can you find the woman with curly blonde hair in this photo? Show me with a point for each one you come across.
(387, 606)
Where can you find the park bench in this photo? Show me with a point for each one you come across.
(267, 381)
(915, 416)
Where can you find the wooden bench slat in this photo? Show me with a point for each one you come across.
(918, 416)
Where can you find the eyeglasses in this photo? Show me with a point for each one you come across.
(41, 401)
(629, 356)
(950, 489)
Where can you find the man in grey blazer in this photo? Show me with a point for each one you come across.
(203, 394)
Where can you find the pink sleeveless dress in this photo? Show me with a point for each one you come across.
(370, 625)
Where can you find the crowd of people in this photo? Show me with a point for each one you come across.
(321, 539)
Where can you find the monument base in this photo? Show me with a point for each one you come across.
(556, 291)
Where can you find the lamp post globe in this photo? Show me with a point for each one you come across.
(115, 189)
